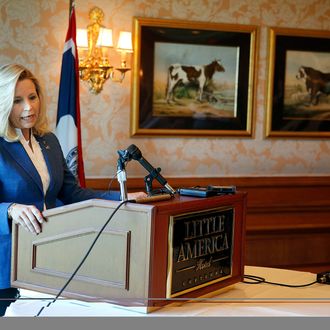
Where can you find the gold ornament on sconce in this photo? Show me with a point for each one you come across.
(93, 46)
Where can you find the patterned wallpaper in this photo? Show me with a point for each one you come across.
(32, 32)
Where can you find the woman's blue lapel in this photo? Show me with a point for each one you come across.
(19, 155)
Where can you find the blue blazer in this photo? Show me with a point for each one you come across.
(21, 183)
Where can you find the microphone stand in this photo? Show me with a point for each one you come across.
(154, 173)
(122, 178)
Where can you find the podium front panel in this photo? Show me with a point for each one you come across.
(117, 266)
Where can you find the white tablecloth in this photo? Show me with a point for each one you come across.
(240, 299)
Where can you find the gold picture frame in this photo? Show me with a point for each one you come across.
(297, 104)
(165, 49)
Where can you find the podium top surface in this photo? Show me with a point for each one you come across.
(103, 203)
(177, 199)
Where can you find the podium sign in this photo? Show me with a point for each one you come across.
(200, 249)
(147, 256)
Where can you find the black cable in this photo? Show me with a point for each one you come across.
(254, 279)
(86, 255)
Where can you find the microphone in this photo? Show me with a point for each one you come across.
(133, 152)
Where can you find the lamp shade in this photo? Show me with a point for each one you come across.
(82, 40)
(125, 41)
(105, 38)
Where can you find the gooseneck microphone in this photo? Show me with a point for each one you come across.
(133, 152)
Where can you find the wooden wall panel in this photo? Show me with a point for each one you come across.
(287, 222)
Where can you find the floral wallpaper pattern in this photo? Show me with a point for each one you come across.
(32, 32)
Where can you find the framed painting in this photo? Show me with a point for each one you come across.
(298, 100)
(192, 78)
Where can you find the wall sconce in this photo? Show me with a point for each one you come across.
(93, 46)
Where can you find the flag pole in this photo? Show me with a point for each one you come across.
(70, 7)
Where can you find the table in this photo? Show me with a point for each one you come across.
(241, 299)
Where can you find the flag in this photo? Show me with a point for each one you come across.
(68, 129)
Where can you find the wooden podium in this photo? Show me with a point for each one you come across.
(147, 256)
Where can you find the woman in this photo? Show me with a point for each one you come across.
(33, 173)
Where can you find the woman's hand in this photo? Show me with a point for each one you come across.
(28, 216)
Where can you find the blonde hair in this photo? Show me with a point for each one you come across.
(10, 74)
